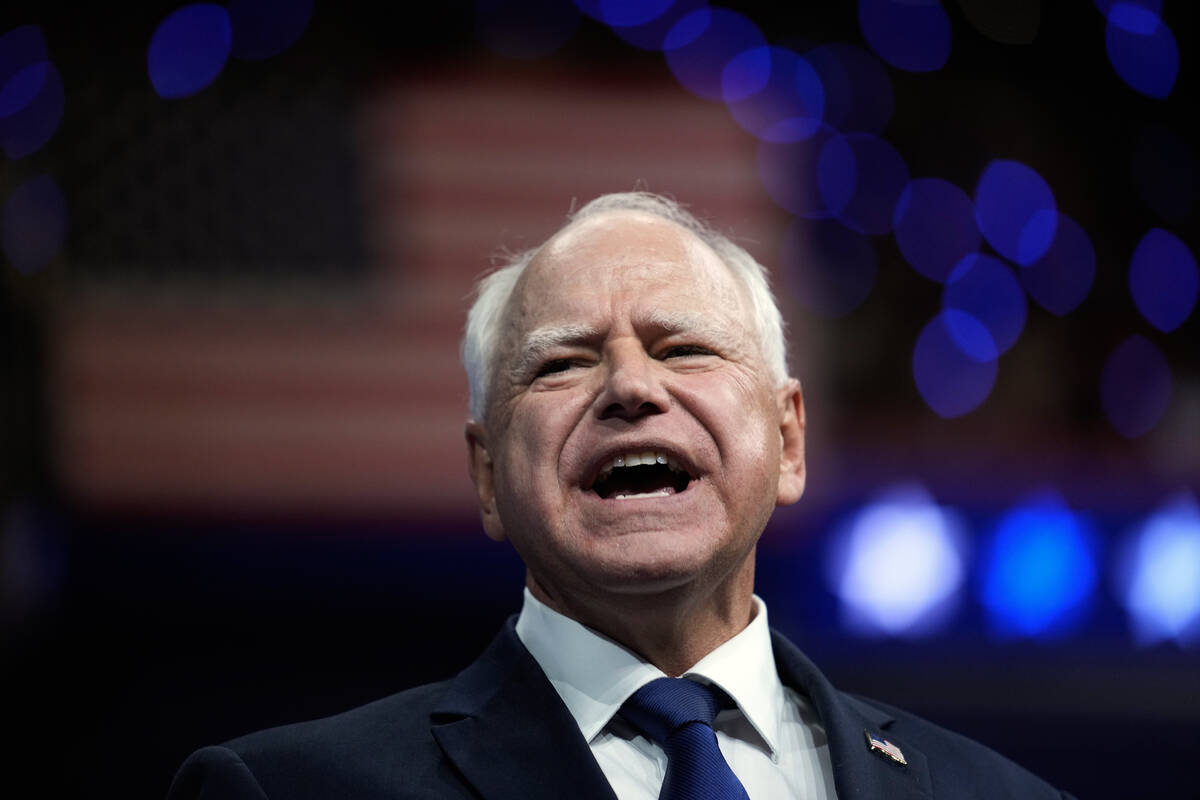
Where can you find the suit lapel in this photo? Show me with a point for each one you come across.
(859, 773)
(508, 732)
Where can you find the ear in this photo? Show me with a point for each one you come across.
(479, 464)
(791, 435)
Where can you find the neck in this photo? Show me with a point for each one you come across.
(671, 629)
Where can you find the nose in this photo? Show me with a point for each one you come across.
(632, 385)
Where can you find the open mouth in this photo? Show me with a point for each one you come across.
(645, 474)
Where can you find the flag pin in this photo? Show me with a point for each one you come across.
(880, 745)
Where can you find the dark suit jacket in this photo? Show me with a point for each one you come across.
(499, 730)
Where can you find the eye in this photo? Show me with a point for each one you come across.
(685, 350)
(555, 365)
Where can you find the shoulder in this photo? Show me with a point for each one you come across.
(959, 766)
(370, 751)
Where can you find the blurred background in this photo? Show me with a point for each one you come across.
(239, 241)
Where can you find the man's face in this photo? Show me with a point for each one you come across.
(628, 340)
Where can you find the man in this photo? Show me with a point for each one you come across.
(632, 427)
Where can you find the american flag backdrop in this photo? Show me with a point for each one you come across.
(347, 397)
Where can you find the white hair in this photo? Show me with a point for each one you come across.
(494, 292)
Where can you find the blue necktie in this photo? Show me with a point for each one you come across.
(677, 714)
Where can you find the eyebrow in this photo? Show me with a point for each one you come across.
(540, 341)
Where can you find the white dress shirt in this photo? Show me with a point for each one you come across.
(773, 740)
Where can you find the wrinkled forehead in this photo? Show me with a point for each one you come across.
(624, 256)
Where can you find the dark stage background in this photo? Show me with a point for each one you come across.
(233, 486)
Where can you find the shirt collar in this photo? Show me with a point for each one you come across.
(594, 675)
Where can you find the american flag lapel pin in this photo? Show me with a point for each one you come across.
(882, 746)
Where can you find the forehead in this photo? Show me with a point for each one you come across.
(628, 261)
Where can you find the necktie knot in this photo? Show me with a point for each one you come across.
(677, 714)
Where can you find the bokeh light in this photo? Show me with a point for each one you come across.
(861, 177)
(1164, 167)
(1039, 569)
(826, 267)
(858, 90)
(1158, 574)
(265, 28)
(700, 45)
(648, 35)
(897, 565)
(912, 35)
(935, 228)
(788, 172)
(35, 224)
(188, 49)
(625, 13)
(1061, 279)
(1163, 279)
(525, 29)
(986, 290)
(1105, 6)
(1142, 49)
(774, 94)
(953, 381)
(1135, 387)
(32, 102)
(1015, 210)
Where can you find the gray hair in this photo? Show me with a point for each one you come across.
(494, 291)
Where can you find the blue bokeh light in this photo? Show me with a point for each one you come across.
(525, 29)
(1164, 167)
(189, 49)
(1105, 6)
(788, 172)
(987, 291)
(1015, 210)
(897, 565)
(858, 90)
(265, 28)
(20, 47)
(1135, 387)
(935, 228)
(1142, 49)
(625, 13)
(950, 380)
(699, 46)
(912, 35)
(1039, 570)
(1158, 575)
(649, 35)
(1163, 279)
(774, 94)
(1061, 279)
(34, 101)
(35, 224)
(828, 268)
(861, 177)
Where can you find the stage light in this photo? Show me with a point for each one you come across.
(700, 45)
(648, 35)
(858, 91)
(1158, 575)
(935, 228)
(828, 268)
(1163, 279)
(1039, 570)
(1015, 210)
(912, 35)
(1061, 279)
(34, 224)
(1135, 387)
(188, 49)
(897, 565)
(789, 174)
(1142, 49)
(861, 177)
(773, 94)
(985, 289)
(954, 363)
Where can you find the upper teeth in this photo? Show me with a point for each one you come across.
(638, 459)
